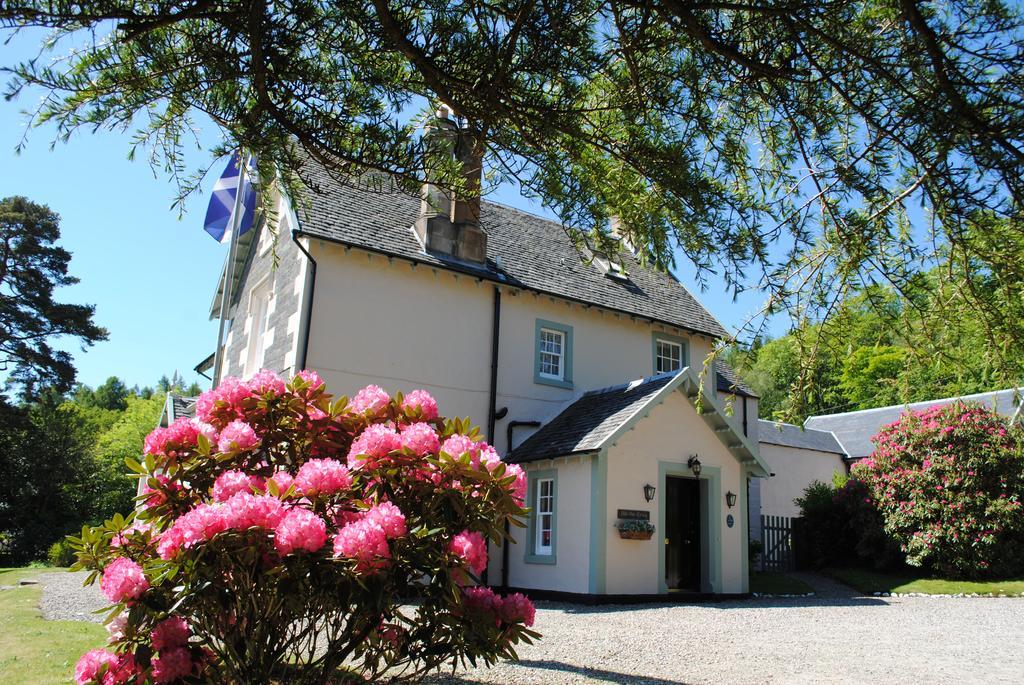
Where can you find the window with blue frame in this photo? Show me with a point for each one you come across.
(553, 354)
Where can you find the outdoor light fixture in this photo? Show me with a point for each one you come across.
(694, 464)
(648, 492)
(730, 499)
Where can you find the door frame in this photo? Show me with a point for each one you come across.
(710, 520)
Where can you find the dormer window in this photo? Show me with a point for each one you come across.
(670, 353)
(609, 267)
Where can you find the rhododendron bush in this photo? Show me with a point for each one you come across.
(284, 536)
(949, 482)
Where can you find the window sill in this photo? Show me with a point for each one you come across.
(554, 382)
(548, 559)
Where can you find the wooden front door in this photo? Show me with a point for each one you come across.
(682, 534)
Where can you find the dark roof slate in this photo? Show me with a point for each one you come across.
(730, 382)
(855, 429)
(788, 435)
(584, 424)
(523, 250)
(183, 406)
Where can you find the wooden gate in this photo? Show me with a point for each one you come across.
(777, 538)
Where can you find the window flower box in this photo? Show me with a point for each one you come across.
(635, 530)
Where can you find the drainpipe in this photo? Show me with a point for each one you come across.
(492, 401)
(307, 315)
(744, 415)
(512, 425)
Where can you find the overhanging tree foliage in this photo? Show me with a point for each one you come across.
(781, 143)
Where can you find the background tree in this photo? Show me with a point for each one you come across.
(784, 144)
(31, 266)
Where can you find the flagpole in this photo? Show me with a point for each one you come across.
(225, 296)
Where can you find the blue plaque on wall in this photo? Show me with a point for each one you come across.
(729, 520)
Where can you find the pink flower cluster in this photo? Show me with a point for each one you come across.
(483, 604)
(366, 538)
(421, 439)
(373, 444)
(372, 399)
(123, 580)
(267, 382)
(172, 664)
(480, 453)
(181, 435)
(224, 403)
(300, 530)
(471, 547)
(322, 476)
(420, 404)
(119, 668)
(231, 482)
(241, 511)
(237, 436)
(170, 633)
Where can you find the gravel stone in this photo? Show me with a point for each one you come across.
(835, 636)
(800, 640)
(66, 599)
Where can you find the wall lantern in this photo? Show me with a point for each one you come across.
(694, 464)
(648, 492)
(730, 499)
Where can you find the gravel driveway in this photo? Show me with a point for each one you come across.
(832, 637)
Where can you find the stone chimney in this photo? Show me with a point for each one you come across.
(446, 224)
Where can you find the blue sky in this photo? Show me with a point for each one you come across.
(150, 273)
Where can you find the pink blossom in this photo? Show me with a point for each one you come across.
(300, 530)
(471, 547)
(481, 602)
(115, 629)
(488, 457)
(123, 580)
(458, 444)
(87, 670)
(230, 482)
(421, 439)
(170, 633)
(421, 404)
(370, 399)
(517, 608)
(311, 377)
(224, 403)
(283, 480)
(322, 476)
(266, 382)
(245, 510)
(389, 517)
(365, 542)
(374, 443)
(237, 435)
(170, 541)
(180, 436)
(171, 665)
(519, 486)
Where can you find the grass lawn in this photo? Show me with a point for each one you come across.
(778, 584)
(34, 651)
(870, 582)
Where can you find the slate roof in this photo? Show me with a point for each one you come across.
(854, 430)
(523, 250)
(584, 424)
(181, 406)
(730, 382)
(788, 435)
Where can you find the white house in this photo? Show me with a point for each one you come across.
(583, 368)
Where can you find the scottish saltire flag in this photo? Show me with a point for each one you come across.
(222, 204)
